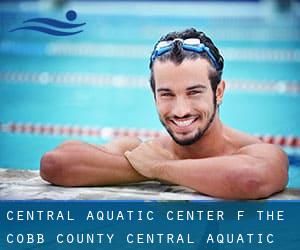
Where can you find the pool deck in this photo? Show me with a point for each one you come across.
(27, 185)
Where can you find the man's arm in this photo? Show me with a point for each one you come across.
(256, 171)
(76, 163)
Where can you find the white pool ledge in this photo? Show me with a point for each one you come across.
(28, 185)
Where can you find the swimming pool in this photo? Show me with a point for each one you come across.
(94, 86)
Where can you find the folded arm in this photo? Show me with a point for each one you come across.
(76, 163)
(256, 171)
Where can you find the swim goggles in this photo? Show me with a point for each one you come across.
(190, 44)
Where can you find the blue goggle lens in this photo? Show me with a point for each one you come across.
(190, 44)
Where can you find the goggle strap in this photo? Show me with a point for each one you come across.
(196, 48)
(200, 49)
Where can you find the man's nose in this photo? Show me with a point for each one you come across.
(181, 107)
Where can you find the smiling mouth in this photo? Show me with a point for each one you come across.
(183, 123)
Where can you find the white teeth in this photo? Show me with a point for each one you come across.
(184, 123)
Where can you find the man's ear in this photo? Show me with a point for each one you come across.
(220, 92)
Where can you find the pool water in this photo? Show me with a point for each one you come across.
(100, 76)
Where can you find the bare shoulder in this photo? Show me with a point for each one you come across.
(253, 146)
(239, 138)
(121, 145)
(270, 152)
(165, 142)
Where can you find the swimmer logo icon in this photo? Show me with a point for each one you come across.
(71, 15)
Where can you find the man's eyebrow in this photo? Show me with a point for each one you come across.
(198, 86)
(164, 89)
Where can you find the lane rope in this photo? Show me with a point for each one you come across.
(121, 81)
(138, 51)
(109, 132)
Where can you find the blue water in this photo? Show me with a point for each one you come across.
(28, 101)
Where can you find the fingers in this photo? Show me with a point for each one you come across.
(136, 162)
(128, 156)
(149, 150)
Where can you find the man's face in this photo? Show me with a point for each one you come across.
(184, 98)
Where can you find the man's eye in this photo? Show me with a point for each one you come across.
(194, 92)
(166, 94)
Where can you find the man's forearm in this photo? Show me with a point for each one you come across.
(86, 165)
(232, 177)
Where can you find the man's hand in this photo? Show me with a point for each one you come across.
(145, 158)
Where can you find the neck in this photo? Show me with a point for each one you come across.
(212, 143)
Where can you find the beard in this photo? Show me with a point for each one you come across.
(197, 136)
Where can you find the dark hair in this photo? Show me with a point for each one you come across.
(177, 55)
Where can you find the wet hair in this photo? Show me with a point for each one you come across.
(177, 54)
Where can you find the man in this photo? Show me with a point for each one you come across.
(200, 151)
